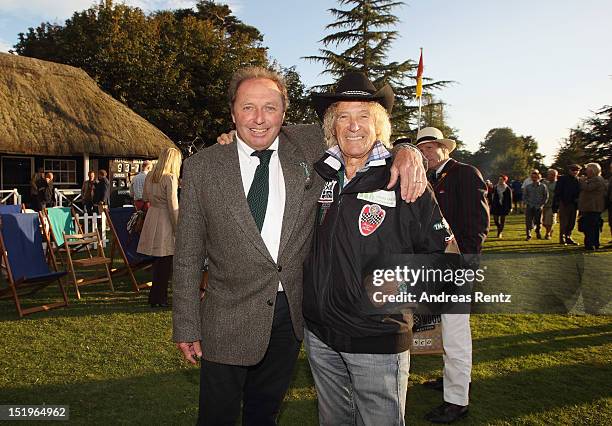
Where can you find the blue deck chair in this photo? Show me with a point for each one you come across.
(24, 259)
(11, 208)
(126, 245)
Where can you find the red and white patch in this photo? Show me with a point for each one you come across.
(370, 218)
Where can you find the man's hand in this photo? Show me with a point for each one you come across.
(191, 351)
(408, 165)
(226, 138)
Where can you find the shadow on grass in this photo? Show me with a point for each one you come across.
(172, 398)
(506, 398)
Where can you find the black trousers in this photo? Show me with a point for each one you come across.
(567, 218)
(500, 221)
(261, 387)
(591, 226)
(162, 271)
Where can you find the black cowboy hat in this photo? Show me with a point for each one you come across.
(354, 86)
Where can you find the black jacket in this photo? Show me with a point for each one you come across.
(501, 207)
(346, 241)
(566, 191)
(102, 191)
(461, 193)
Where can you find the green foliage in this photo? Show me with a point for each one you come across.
(171, 67)
(590, 141)
(363, 34)
(503, 152)
(300, 110)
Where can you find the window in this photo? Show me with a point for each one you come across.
(64, 171)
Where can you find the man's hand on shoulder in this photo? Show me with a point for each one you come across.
(192, 351)
(408, 166)
(226, 138)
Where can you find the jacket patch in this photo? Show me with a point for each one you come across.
(385, 198)
(370, 218)
(327, 194)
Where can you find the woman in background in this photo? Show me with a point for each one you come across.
(157, 236)
(501, 203)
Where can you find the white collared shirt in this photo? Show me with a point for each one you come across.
(439, 169)
(273, 223)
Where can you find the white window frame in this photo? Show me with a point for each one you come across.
(57, 172)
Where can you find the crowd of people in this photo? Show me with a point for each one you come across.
(578, 197)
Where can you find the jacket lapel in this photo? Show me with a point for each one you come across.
(294, 175)
(232, 187)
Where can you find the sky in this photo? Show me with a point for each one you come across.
(536, 66)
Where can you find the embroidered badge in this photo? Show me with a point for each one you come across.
(327, 195)
(370, 218)
(385, 198)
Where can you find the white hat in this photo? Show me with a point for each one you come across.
(431, 134)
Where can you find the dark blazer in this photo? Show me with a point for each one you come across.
(566, 191)
(102, 191)
(234, 320)
(462, 195)
(501, 207)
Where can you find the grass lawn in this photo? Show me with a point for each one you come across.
(110, 358)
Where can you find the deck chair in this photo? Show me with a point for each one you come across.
(126, 245)
(11, 208)
(60, 221)
(86, 263)
(24, 259)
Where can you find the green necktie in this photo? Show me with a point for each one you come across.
(258, 193)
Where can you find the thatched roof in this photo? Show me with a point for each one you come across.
(53, 109)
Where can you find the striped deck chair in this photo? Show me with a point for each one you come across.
(60, 221)
(24, 259)
(126, 245)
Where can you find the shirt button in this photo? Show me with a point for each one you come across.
(279, 268)
(270, 302)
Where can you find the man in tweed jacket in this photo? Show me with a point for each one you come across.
(248, 327)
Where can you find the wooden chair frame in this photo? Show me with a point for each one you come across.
(61, 249)
(129, 268)
(77, 240)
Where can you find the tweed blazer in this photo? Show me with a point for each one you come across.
(461, 194)
(234, 320)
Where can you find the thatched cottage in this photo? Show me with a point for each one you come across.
(56, 117)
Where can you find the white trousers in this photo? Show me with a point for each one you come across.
(457, 341)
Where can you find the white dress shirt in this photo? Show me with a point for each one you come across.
(273, 222)
(440, 167)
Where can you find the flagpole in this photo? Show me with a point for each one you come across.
(419, 90)
(419, 119)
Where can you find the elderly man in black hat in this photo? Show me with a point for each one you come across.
(461, 192)
(360, 360)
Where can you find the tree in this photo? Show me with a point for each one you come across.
(300, 110)
(502, 152)
(590, 141)
(171, 67)
(364, 30)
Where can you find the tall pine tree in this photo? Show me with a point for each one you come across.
(364, 29)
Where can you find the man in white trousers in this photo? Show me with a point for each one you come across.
(461, 194)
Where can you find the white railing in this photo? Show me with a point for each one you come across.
(67, 198)
(89, 223)
(10, 193)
